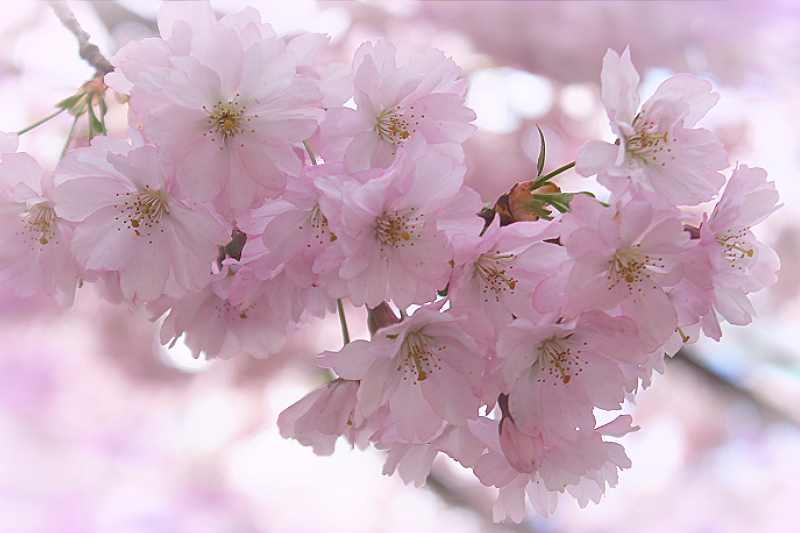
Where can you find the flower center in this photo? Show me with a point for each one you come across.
(141, 211)
(735, 247)
(631, 268)
(394, 127)
(417, 358)
(318, 223)
(225, 120)
(40, 221)
(557, 361)
(493, 269)
(397, 230)
(647, 143)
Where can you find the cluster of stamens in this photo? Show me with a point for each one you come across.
(397, 230)
(735, 247)
(647, 143)
(493, 269)
(225, 310)
(226, 119)
(632, 268)
(417, 358)
(394, 127)
(558, 362)
(39, 224)
(319, 227)
(141, 211)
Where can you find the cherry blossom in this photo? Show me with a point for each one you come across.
(227, 112)
(322, 416)
(741, 264)
(211, 324)
(35, 242)
(499, 271)
(389, 241)
(658, 148)
(626, 255)
(424, 98)
(556, 374)
(582, 467)
(129, 223)
(426, 369)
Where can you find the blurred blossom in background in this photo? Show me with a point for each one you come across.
(104, 430)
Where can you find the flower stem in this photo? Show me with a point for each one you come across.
(343, 321)
(310, 153)
(40, 122)
(544, 179)
(69, 137)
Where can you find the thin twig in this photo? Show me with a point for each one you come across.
(88, 51)
(766, 409)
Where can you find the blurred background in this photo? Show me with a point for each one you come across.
(103, 430)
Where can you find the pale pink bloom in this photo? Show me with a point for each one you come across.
(289, 289)
(424, 98)
(293, 227)
(658, 148)
(35, 243)
(129, 223)
(389, 241)
(413, 461)
(498, 271)
(522, 451)
(228, 109)
(740, 263)
(582, 467)
(322, 416)
(426, 369)
(557, 373)
(626, 255)
(211, 324)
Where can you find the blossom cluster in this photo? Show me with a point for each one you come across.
(260, 187)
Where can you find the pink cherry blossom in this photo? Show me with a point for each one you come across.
(425, 369)
(129, 223)
(35, 243)
(211, 324)
(389, 241)
(582, 467)
(413, 461)
(658, 148)
(499, 271)
(424, 98)
(741, 264)
(227, 110)
(556, 374)
(289, 290)
(322, 416)
(626, 255)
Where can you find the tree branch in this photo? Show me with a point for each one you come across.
(88, 51)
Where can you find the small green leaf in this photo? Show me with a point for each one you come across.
(72, 101)
(540, 161)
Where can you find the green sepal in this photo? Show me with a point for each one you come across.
(540, 160)
(72, 101)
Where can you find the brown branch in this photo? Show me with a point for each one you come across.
(766, 409)
(88, 51)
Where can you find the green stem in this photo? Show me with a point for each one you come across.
(39, 123)
(310, 153)
(69, 137)
(343, 321)
(547, 177)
